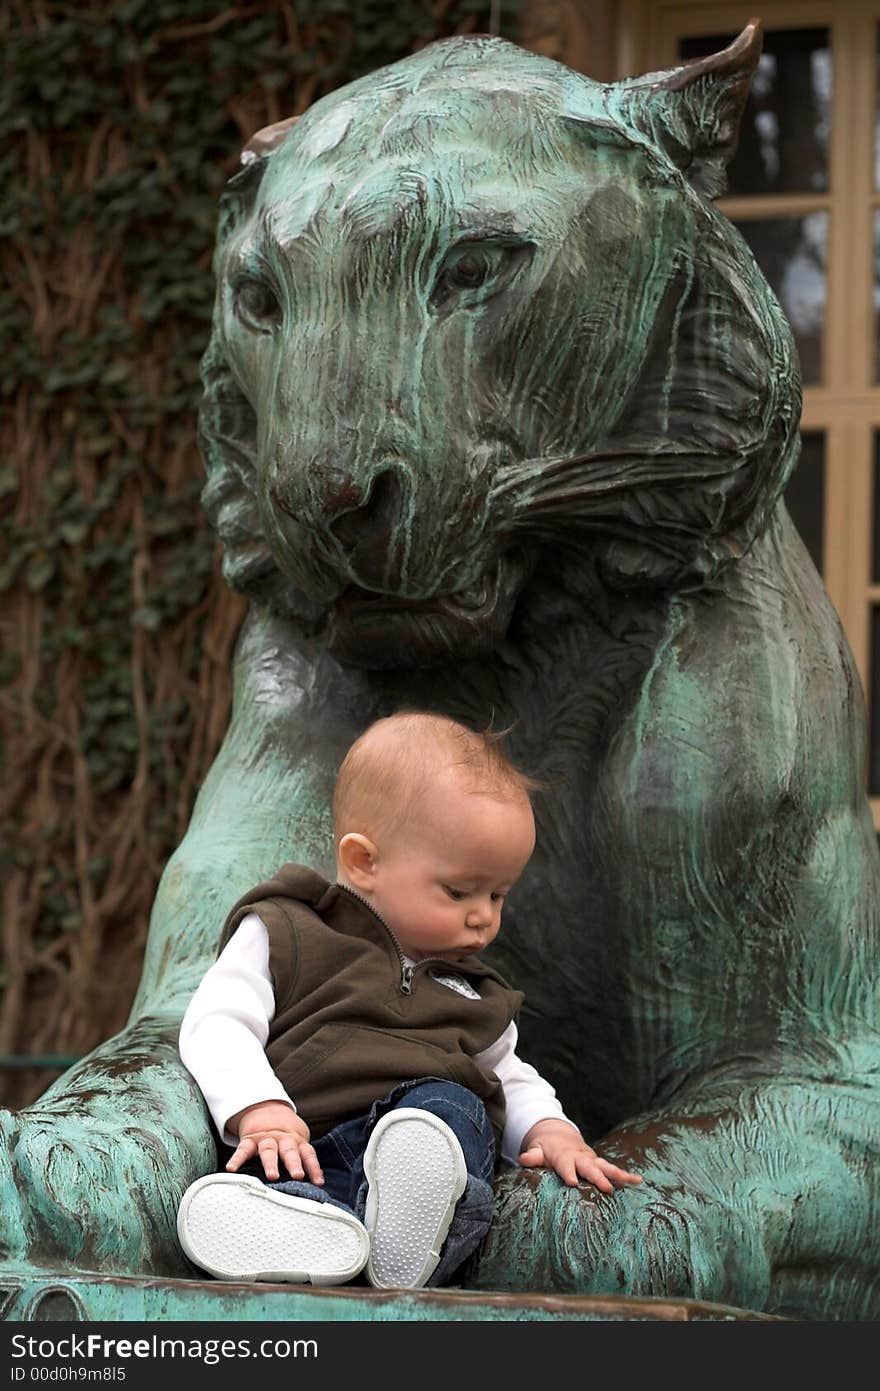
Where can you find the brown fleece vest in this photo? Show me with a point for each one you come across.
(351, 1021)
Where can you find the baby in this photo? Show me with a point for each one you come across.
(351, 1032)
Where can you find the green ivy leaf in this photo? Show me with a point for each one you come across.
(39, 572)
(73, 532)
(147, 617)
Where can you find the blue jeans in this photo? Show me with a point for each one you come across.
(341, 1156)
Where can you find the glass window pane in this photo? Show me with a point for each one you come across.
(877, 118)
(783, 143)
(875, 562)
(877, 295)
(874, 704)
(791, 252)
(805, 495)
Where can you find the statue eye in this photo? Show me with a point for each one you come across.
(469, 271)
(472, 273)
(463, 270)
(256, 304)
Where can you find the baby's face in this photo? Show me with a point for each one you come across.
(439, 881)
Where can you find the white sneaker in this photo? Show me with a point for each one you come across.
(416, 1173)
(236, 1228)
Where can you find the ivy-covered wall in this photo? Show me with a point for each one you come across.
(121, 120)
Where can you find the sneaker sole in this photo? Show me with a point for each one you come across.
(236, 1228)
(416, 1172)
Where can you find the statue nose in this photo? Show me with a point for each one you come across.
(365, 514)
(362, 514)
(347, 505)
(339, 492)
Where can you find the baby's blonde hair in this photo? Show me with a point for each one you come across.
(395, 759)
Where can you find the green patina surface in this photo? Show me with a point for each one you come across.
(28, 1297)
(498, 414)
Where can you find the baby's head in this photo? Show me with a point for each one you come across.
(433, 826)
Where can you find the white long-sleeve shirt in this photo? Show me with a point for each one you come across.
(226, 1026)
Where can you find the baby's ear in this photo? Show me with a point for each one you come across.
(357, 857)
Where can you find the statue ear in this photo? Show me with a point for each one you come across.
(265, 140)
(238, 196)
(236, 201)
(693, 112)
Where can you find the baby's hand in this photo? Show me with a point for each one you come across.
(556, 1145)
(275, 1132)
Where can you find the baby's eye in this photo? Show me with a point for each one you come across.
(457, 894)
(497, 896)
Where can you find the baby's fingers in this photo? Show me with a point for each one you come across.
(532, 1158)
(585, 1164)
(618, 1175)
(313, 1167)
(268, 1152)
(602, 1174)
(288, 1154)
(302, 1162)
(246, 1150)
(589, 1166)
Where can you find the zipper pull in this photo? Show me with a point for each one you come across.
(406, 975)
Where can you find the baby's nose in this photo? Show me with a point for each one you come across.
(481, 914)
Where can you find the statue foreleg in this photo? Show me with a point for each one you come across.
(764, 1197)
(91, 1175)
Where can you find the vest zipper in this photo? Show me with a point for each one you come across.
(406, 971)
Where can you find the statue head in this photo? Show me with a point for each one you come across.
(475, 311)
